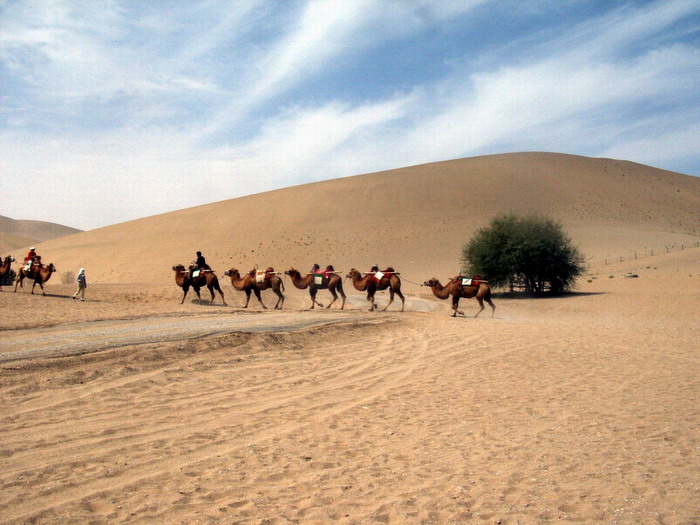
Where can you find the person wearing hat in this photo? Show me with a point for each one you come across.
(81, 280)
(29, 259)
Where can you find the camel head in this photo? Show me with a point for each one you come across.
(291, 272)
(353, 273)
(51, 268)
(178, 268)
(431, 282)
(232, 272)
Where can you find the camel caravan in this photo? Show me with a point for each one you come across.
(255, 281)
(200, 275)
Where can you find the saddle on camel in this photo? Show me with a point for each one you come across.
(263, 276)
(197, 278)
(322, 278)
(467, 287)
(257, 280)
(317, 280)
(375, 280)
(35, 270)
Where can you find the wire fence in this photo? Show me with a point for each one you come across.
(633, 255)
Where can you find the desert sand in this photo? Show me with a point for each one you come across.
(130, 407)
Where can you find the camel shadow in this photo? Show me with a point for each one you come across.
(207, 302)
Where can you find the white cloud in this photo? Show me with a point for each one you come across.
(620, 86)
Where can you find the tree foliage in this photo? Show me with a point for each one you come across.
(9, 278)
(532, 250)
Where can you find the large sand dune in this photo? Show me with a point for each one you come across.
(132, 408)
(416, 219)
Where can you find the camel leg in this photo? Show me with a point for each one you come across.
(391, 299)
(493, 307)
(335, 297)
(370, 298)
(184, 289)
(199, 297)
(19, 281)
(455, 306)
(247, 298)
(403, 300)
(257, 295)
(221, 293)
(280, 300)
(280, 294)
(481, 304)
(342, 294)
(314, 302)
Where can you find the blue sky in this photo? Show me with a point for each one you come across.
(116, 110)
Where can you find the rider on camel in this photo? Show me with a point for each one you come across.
(30, 258)
(199, 264)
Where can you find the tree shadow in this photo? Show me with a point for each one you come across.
(546, 295)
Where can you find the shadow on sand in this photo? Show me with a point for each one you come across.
(563, 295)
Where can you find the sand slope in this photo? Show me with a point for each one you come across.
(19, 233)
(575, 409)
(416, 219)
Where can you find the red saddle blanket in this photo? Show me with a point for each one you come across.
(262, 275)
(378, 276)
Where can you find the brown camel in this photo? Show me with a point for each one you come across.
(249, 283)
(334, 283)
(455, 289)
(205, 278)
(5, 268)
(390, 280)
(38, 273)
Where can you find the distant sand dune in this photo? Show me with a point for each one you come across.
(416, 219)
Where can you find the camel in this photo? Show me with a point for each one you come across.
(369, 284)
(334, 283)
(5, 268)
(249, 283)
(40, 274)
(206, 278)
(455, 289)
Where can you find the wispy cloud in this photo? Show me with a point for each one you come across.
(249, 96)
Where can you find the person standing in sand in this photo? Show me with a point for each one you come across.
(81, 280)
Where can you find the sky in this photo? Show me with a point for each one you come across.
(116, 110)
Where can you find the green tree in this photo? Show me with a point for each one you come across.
(9, 278)
(534, 250)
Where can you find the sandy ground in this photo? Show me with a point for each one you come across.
(571, 410)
